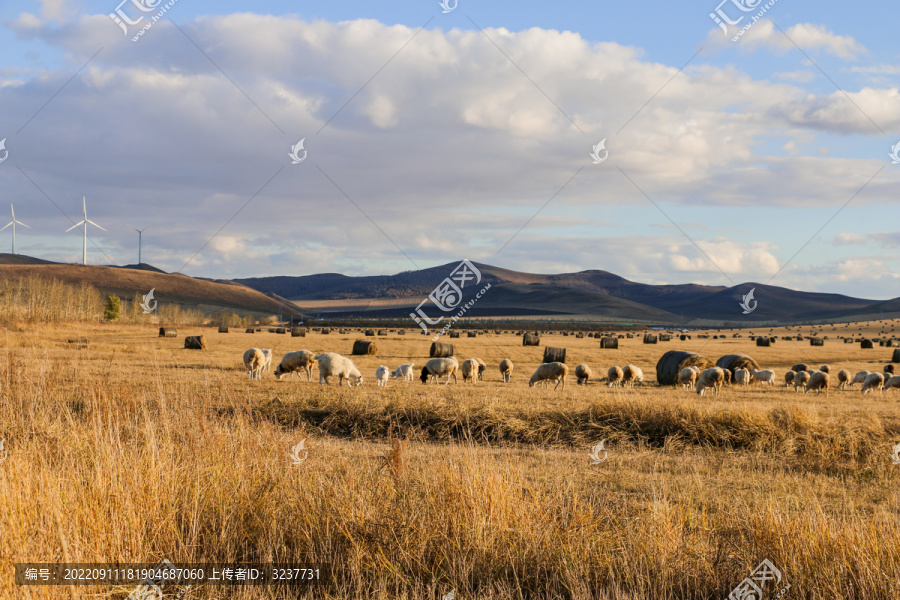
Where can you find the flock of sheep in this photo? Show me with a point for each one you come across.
(800, 376)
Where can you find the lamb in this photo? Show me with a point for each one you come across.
(506, 369)
(300, 360)
(893, 382)
(631, 375)
(267, 352)
(818, 381)
(404, 371)
(874, 381)
(711, 378)
(859, 378)
(582, 374)
(332, 364)
(764, 376)
(438, 367)
(843, 378)
(742, 376)
(381, 375)
(688, 378)
(800, 380)
(789, 378)
(555, 371)
(469, 370)
(254, 362)
(614, 377)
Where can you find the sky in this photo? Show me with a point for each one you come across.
(432, 136)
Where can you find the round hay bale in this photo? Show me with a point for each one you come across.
(866, 344)
(763, 342)
(732, 362)
(609, 342)
(552, 354)
(195, 342)
(401, 332)
(326, 331)
(167, 332)
(223, 330)
(454, 334)
(280, 330)
(298, 331)
(672, 362)
(371, 332)
(440, 350)
(649, 338)
(579, 335)
(800, 367)
(629, 335)
(364, 348)
(531, 339)
(896, 357)
(665, 337)
(249, 330)
(889, 369)
(814, 341)
(79, 341)
(382, 332)
(471, 334)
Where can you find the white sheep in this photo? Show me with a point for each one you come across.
(299, 360)
(631, 375)
(582, 374)
(688, 378)
(469, 370)
(267, 353)
(506, 369)
(404, 372)
(893, 382)
(332, 364)
(711, 378)
(742, 376)
(254, 361)
(843, 378)
(382, 373)
(555, 371)
(874, 381)
(438, 367)
(800, 379)
(789, 378)
(818, 381)
(614, 377)
(859, 378)
(763, 376)
(481, 368)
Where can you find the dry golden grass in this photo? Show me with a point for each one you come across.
(145, 450)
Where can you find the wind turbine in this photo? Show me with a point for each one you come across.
(13, 223)
(84, 222)
(140, 236)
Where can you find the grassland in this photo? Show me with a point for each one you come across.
(133, 449)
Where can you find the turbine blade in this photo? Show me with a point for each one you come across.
(94, 224)
(74, 226)
(22, 224)
(5, 226)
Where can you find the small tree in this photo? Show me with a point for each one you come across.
(113, 308)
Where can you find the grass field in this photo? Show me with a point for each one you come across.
(132, 449)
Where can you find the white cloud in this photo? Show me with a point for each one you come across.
(808, 36)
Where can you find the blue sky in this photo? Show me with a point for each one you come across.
(748, 156)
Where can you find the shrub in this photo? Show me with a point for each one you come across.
(113, 308)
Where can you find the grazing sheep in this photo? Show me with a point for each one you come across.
(825, 369)
(469, 370)
(614, 377)
(688, 378)
(764, 376)
(404, 371)
(893, 382)
(583, 373)
(789, 378)
(711, 378)
(254, 362)
(631, 375)
(843, 378)
(506, 369)
(874, 381)
(332, 364)
(481, 368)
(382, 374)
(438, 367)
(741, 376)
(800, 380)
(859, 378)
(555, 371)
(300, 360)
(818, 381)
(267, 353)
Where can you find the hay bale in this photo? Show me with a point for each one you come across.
(298, 331)
(223, 330)
(382, 332)
(867, 344)
(531, 339)
(609, 342)
(889, 369)
(800, 367)
(280, 330)
(629, 335)
(672, 362)
(471, 334)
(364, 348)
(814, 341)
(579, 336)
(733, 362)
(552, 354)
(454, 334)
(665, 337)
(79, 341)
(249, 330)
(896, 357)
(370, 332)
(763, 342)
(195, 342)
(401, 332)
(167, 332)
(440, 350)
(649, 338)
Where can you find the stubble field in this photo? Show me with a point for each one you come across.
(133, 449)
